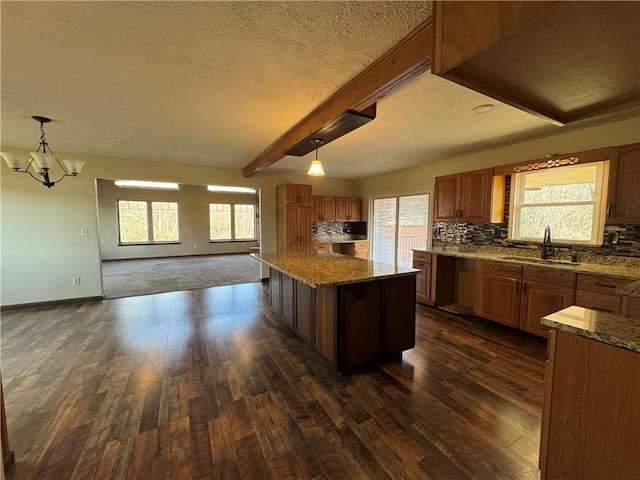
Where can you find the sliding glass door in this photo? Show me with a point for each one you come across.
(400, 224)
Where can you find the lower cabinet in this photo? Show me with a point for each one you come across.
(435, 284)
(591, 413)
(349, 325)
(596, 292)
(520, 296)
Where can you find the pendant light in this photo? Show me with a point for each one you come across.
(316, 169)
(42, 160)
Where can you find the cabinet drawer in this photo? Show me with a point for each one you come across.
(600, 284)
(424, 257)
(557, 278)
(325, 247)
(599, 301)
(502, 269)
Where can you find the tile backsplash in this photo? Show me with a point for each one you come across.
(321, 229)
(621, 240)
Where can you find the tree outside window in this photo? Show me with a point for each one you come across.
(147, 222)
(228, 222)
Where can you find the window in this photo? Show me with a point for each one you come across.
(144, 184)
(400, 224)
(570, 200)
(142, 221)
(227, 218)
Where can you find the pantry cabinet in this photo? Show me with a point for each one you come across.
(294, 218)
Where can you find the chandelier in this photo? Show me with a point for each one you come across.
(42, 160)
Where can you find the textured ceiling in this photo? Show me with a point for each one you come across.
(217, 82)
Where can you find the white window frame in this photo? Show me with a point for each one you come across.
(233, 223)
(516, 203)
(151, 240)
(397, 197)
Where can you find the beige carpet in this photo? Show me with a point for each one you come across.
(128, 278)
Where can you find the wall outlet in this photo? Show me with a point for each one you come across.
(75, 280)
(195, 246)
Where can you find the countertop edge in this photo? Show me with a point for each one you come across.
(595, 269)
(611, 328)
(337, 283)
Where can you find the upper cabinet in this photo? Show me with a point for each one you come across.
(348, 209)
(298, 194)
(563, 61)
(474, 196)
(324, 209)
(623, 205)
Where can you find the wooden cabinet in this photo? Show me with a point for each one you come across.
(631, 307)
(422, 261)
(348, 325)
(544, 291)
(324, 209)
(294, 212)
(322, 247)
(525, 55)
(348, 209)
(298, 229)
(435, 284)
(469, 197)
(498, 292)
(599, 293)
(591, 412)
(298, 194)
(361, 249)
(623, 199)
(520, 296)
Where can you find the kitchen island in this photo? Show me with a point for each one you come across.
(591, 412)
(351, 311)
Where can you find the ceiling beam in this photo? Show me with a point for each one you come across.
(402, 63)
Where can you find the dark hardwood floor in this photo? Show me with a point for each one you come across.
(209, 384)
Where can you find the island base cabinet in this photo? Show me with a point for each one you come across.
(360, 311)
(591, 412)
(349, 325)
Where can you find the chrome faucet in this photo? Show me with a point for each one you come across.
(547, 246)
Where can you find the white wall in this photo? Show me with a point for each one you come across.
(41, 246)
(193, 218)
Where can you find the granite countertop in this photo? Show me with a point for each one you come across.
(345, 238)
(624, 267)
(604, 327)
(631, 290)
(326, 269)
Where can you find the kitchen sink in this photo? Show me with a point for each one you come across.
(541, 261)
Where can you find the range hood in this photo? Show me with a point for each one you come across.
(339, 126)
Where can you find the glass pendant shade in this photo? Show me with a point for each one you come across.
(43, 160)
(316, 169)
(16, 161)
(73, 166)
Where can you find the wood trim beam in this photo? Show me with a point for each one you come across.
(402, 63)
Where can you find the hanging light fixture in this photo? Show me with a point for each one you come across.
(41, 161)
(316, 169)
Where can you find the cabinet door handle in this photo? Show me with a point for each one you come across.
(524, 289)
(460, 217)
(517, 287)
(457, 215)
(609, 208)
(604, 285)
